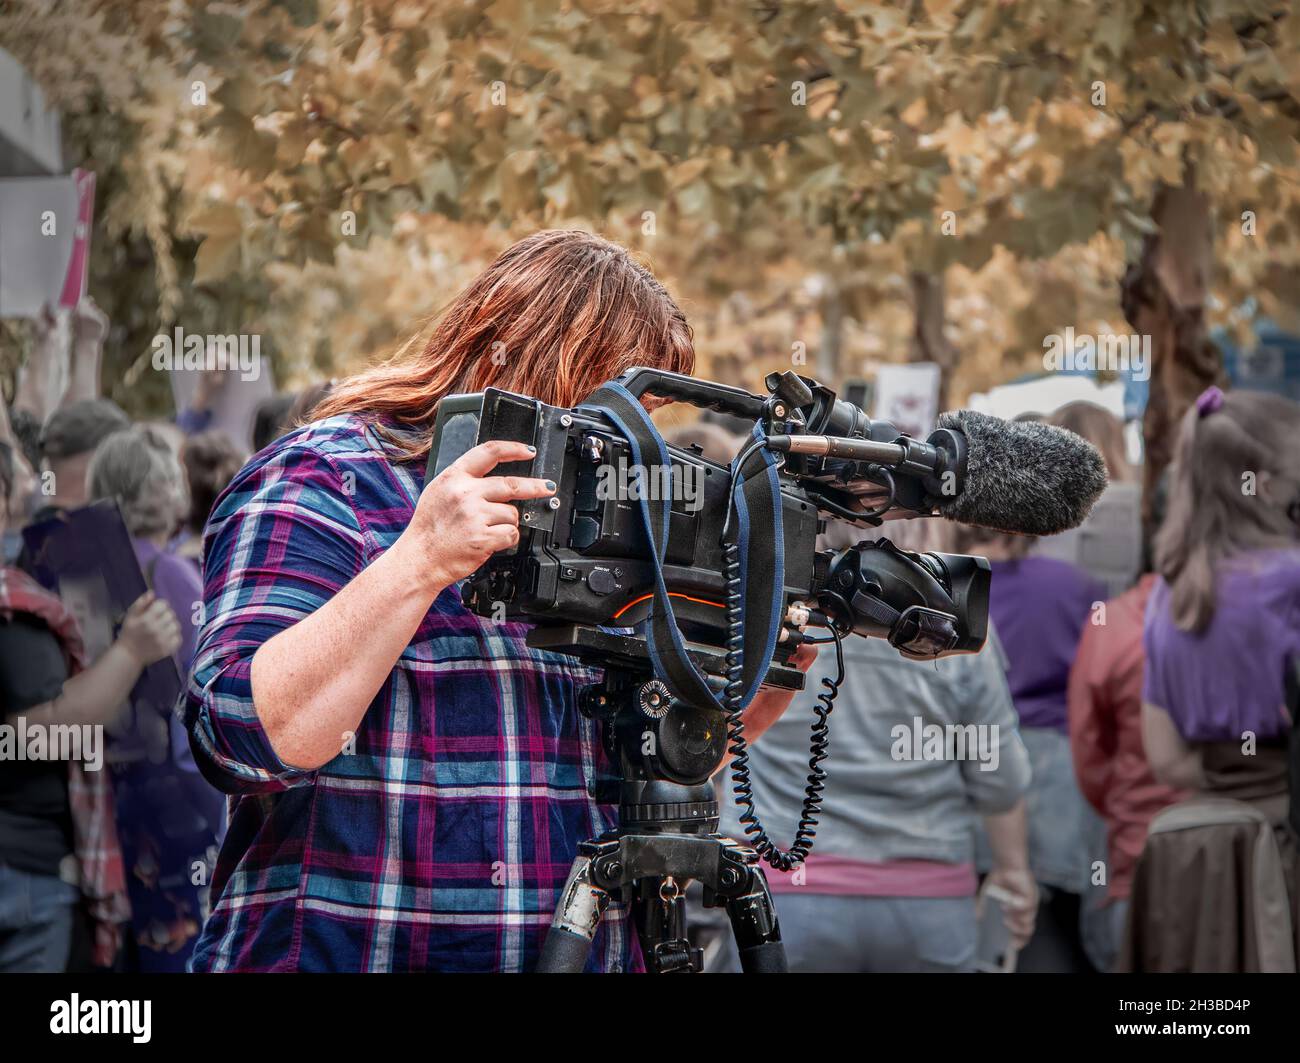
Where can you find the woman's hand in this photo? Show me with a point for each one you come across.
(464, 514)
(150, 630)
(770, 703)
(1019, 917)
(96, 695)
(89, 325)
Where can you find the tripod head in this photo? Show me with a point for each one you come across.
(665, 749)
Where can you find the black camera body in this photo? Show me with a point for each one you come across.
(583, 556)
(662, 567)
(583, 564)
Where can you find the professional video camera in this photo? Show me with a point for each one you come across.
(691, 584)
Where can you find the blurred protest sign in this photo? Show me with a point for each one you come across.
(45, 225)
(234, 397)
(86, 558)
(908, 396)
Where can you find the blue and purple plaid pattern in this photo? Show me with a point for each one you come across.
(441, 838)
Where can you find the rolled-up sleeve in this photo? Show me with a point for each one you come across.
(282, 540)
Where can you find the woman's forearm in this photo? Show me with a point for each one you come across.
(84, 374)
(313, 682)
(39, 381)
(1008, 835)
(770, 703)
(95, 695)
(1173, 761)
(1182, 772)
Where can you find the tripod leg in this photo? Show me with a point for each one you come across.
(577, 915)
(753, 921)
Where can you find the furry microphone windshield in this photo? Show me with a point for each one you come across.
(1022, 476)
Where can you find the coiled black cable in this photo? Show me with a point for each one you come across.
(819, 742)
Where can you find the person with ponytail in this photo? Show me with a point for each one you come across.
(410, 780)
(1222, 629)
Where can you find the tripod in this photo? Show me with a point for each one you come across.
(666, 837)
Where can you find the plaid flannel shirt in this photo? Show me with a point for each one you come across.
(95, 844)
(441, 839)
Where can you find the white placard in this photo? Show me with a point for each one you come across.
(908, 397)
(44, 241)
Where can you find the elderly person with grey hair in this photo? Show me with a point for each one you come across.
(168, 816)
(137, 468)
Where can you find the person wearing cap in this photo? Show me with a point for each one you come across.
(68, 439)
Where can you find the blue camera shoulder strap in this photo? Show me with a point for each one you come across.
(762, 555)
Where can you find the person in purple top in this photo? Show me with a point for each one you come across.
(1040, 605)
(1221, 635)
(1223, 623)
(168, 815)
(137, 468)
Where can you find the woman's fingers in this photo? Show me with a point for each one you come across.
(506, 488)
(500, 513)
(141, 605)
(482, 459)
(502, 536)
(162, 613)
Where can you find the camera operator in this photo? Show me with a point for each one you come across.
(411, 778)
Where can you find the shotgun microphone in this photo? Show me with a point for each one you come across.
(1013, 476)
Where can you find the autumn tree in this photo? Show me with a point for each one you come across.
(834, 181)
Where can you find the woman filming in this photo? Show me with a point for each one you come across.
(411, 779)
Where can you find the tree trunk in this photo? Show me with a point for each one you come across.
(930, 343)
(1163, 295)
(832, 339)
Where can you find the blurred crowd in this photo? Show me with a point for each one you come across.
(1122, 801)
(1110, 790)
(108, 869)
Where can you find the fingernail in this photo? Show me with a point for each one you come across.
(532, 449)
(550, 485)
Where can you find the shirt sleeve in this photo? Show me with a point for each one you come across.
(282, 540)
(1092, 731)
(986, 702)
(1153, 680)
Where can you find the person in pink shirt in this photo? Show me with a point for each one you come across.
(1110, 764)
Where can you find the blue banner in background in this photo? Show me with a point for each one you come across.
(1136, 393)
(1273, 364)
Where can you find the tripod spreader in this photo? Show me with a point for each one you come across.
(650, 872)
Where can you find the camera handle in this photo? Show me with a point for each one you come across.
(705, 394)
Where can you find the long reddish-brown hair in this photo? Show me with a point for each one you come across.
(554, 317)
